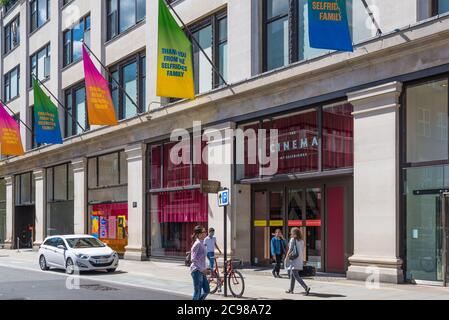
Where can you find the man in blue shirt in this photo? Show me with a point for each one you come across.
(278, 246)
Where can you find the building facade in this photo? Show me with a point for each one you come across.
(363, 151)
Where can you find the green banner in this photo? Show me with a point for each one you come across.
(175, 67)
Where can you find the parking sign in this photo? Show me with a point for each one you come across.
(223, 198)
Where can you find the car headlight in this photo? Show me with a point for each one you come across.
(82, 256)
(114, 254)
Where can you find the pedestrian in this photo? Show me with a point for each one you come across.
(211, 244)
(278, 247)
(198, 268)
(294, 260)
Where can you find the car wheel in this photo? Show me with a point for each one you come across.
(111, 270)
(43, 263)
(70, 268)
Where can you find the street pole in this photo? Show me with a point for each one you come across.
(225, 228)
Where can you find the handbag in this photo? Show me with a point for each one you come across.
(293, 251)
(188, 259)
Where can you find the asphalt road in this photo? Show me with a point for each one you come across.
(19, 284)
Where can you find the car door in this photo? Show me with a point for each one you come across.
(59, 254)
(49, 250)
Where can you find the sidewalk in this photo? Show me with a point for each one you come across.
(175, 277)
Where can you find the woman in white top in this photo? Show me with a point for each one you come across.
(294, 260)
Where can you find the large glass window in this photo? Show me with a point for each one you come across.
(12, 35)
(123, 14)
(424, 234)
(75, 99)
(427, 121)
(131, 74)
(24, 189)
(108, 199)
(60, 206)
(74, 39)
(212, 35)
(175, 212)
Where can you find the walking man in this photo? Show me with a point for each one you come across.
(278, 247)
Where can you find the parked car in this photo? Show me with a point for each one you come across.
(77, 252)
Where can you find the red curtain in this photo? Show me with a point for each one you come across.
(182, 206)
(156, 164)
(338, 137)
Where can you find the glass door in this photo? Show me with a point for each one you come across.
(444, 232)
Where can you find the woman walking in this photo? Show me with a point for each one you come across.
(198, 268)
(294, 260)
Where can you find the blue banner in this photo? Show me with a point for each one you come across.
(328, 25)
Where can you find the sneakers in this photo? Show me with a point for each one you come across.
(274, 273)
(307, 291)
(289, 291)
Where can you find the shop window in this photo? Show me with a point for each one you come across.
(108, 199)
(338, 136)
(60, 206)
(426, 121)
(174, 215)
(176, 203)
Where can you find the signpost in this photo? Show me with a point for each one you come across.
(223, 201)
(208, 186)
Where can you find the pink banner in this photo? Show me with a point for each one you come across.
(10, 141)
(100, 108)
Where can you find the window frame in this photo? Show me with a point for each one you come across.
(116, 22)
(71, 91)
(34, 15)
(9, 35)
(68, 56)
(7, 84)
(35, 55)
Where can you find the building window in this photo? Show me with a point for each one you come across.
(306, 139)
(427, 133)
(10, 4)
(439, 7)
(108, 199)
(60, 207)
(11, 84)
(24, 189)
(123, 14)
(286, 33)
(75, 101)
(40, 13)
(176, 203)
(73, 41)
(131, 74)
(212, 35)
(40, 64)
(12, 34)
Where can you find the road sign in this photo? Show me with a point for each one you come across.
(223, 198)
(208, 186)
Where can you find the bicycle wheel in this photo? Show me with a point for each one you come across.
(236, 284)
(214, 283)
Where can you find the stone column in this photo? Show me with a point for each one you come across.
(40, 204)
(136, 248)
(376, 184)
(220, 168)
(80, 195)
(9, 239)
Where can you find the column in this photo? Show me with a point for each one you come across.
(80, 195)
(136, 248)
(40, 203)
(376, 184)
(9, 242)
(220, 168)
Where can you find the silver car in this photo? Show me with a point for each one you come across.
(77, 253)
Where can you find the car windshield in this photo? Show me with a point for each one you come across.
(80, 243)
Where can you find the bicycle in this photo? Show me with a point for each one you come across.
(236, 282)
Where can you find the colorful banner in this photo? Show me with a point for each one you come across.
(100, 108)
(175, 66)
(95, 225)
(103, 227)
(46, 118)
(10, 141)
(328, 25)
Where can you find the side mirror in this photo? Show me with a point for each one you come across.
(61, 247)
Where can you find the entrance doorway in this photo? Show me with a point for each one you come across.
(24, 227)
(320, 210)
